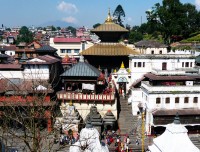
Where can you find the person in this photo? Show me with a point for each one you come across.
(127, 140)
(137, 142)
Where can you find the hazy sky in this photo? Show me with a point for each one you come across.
(80, 12)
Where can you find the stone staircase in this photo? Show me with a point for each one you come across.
(130, 125)
(195, 140)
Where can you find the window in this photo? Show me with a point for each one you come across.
(69, 51)
(195, 100)
(177, 100)
(164, 66)
(10, 53)
(182, 64)
(186, 64)
(135, 64)
(158, 100)
(62, 50)
(139, 64)
(186, 99)
(167, 100)
(190, 64)
(83, 46)
(160, 52)
(76, 51)
(143, 64)
(152, 51)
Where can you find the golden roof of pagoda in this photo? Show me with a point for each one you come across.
(109, 49)
(109, 26)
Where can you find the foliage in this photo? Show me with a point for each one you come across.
(192, 39)
(172, 18)
(72, 29)
(118, 14)
(96, 25)
(24, 35)
(53, 28)
(135, 37)
(58, 28)
(8, 29)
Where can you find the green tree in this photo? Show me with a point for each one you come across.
(72, 29)
(118, 14)
(53, 28)
(58, 28)
(135, 36)
(173, 18)
(24, 35)
(96, 25)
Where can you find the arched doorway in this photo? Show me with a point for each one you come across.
(122, 81)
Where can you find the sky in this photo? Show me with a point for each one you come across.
(76, 12)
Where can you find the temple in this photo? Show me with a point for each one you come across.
(109, 53)
(174, 139)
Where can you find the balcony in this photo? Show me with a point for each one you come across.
(170, 89)
(63, 95)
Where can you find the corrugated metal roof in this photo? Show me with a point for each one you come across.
(109, 27)
(150, 44)
(4, 56)
(82, 69)
(109, 49)
(168, 112)
(66, 40)
(168, 77)
(45, 48)
(10, 66)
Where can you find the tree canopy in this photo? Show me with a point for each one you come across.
(118, 14)
(24, 35)
(96, 25)
(172, 18)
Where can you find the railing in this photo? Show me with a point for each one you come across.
(167, 72)
(173, 89)
(86, 97)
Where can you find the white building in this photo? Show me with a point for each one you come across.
(151, 47)
(69, 46)
(159, 63)
(173, 85)
(122, 79)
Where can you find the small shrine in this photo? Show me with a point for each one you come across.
(95, 118)
(122, 79)
(69, 119)
(109, 121)
(174, 139)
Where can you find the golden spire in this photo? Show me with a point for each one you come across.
(109, 18)
(115, 71)
(122, 65)
(70, 103)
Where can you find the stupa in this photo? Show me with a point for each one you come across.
(174, 139)
(70, 119)
(109, 120)
(95, 118)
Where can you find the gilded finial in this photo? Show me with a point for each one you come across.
(115, 71)
(109, 18)
(122, 65)
(70, 103)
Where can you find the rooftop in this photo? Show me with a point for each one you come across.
(109, 49)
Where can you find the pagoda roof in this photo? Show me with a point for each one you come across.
(109, 27)
(150, 44)
(82, 69)
(109, 49)
(46, 48)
